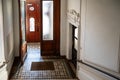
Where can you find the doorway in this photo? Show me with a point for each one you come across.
(50, 43)
(41, 21)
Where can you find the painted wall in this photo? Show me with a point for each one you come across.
(63, 27)
(8, 27)
(100, 37)
(102, 33)
(16, 27)
(2, 58)
(1, 33)
(8, 41)
(71, 4)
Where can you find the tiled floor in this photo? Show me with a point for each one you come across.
(61, 72)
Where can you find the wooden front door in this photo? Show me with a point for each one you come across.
(50, 43)
(45, 15)
(33, 25)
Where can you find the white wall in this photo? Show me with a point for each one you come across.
(16, 27)
(1, 33)
(8, 27)
(8, 31)
(71, 4)
(63, 27)
(102, 33)
(100, 36)
(7, 42)
(2, 58)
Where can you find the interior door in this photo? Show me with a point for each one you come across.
(33, 21)
(50, 44)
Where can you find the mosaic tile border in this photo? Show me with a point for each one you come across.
(61, 71)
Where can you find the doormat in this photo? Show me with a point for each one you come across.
(48, 65)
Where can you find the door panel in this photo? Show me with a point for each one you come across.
(33, 21)
(51, 45)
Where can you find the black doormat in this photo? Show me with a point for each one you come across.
(48, 65)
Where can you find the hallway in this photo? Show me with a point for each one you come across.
(96, 41)
(56, 67)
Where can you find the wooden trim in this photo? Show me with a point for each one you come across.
(23, 51)
(57, 36)
(25, 18)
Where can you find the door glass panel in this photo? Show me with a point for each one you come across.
(32, 24)
(47, 19)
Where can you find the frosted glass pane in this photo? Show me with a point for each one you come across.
(32, 24)
(47, 20)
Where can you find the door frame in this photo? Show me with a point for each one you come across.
(57, 24)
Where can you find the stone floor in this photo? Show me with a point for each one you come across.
(62, 70)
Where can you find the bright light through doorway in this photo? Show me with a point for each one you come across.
(47, 20)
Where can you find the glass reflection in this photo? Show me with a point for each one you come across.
(47, 20)
(32, 24)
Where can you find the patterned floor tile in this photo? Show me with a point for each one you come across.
(61, 71)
